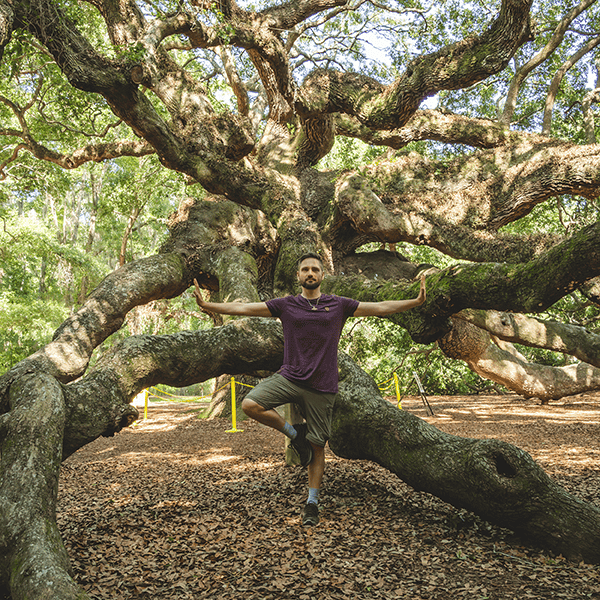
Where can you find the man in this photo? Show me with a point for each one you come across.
(312, 325)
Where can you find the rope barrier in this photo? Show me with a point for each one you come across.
(145, 394)
(396, 384)
(177, 398)
(393, 381)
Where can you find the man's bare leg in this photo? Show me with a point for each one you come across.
(269, 417)
(310, 516)
(316, 467)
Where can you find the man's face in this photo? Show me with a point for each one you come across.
(310, 274)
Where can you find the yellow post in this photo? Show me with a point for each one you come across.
(145, 404)
(397, 384)
(233, 410)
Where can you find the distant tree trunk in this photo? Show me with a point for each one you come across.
(135, 213)
(89, 244)
(220, 404)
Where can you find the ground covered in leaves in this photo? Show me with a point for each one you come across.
(179, 508)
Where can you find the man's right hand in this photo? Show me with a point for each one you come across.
(198, 295)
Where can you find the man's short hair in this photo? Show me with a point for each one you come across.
(309, 255)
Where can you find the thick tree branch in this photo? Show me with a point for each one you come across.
(482, 191)
(456, 66)
(430, 125)
(66, 357)
(495, 480)
(529, 288)
(197, 145)
(529, 331)
(373, 220)
(90, 153)
(289, 14)
(490, 478)
(500, 362)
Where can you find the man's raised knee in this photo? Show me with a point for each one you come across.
(249, 406)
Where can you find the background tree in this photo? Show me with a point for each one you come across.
(244, 103)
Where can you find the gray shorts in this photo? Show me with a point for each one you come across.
(317, 407)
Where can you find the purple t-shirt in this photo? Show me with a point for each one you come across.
(311, 338)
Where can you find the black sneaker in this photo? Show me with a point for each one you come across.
(302, 446)
(310, 516)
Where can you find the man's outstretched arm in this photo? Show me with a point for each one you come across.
(245, 309)
(389, 307)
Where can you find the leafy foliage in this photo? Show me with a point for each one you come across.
(80, 225)
(25, 326)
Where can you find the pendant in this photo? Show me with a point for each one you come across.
(314, 308)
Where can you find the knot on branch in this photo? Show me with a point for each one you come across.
(124, 416)
(503, 466)
(464, 340)
(226, 134)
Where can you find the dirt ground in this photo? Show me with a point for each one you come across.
(177, 507)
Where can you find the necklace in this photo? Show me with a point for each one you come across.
(313, 306)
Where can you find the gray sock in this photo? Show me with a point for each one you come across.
(289, 431)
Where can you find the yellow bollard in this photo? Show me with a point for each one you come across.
(396, 382)
(145, 404)
(233, 429)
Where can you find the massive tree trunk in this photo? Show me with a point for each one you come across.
(34, 561)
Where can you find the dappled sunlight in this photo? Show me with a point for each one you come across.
(217, 458)
(150, 426)
(563, 436)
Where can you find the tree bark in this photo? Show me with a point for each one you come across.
(500, 362)
(491, 478)
(34, 562)
(551, 335)
(277, 207)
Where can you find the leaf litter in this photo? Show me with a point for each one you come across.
(177, 508)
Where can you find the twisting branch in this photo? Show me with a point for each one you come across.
(499, 361)
(536, 333)
(557, 79)
(553, 43)
(66, 357)
(455, 66)
(31, 551)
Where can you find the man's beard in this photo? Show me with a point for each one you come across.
(310, 285)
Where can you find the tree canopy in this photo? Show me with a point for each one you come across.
(232, 137)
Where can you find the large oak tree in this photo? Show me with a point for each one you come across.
(267, 201)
